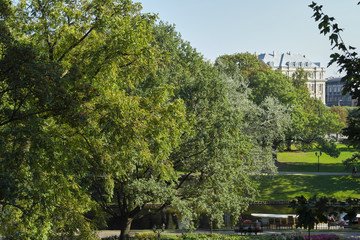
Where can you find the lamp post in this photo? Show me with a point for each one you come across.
(318, 156)
(159, 230)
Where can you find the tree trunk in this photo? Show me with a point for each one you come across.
(288, 145)
(125, 225)
(275, 145)
(309, 229)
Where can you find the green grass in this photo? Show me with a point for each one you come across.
(298, 161)
(287, 187)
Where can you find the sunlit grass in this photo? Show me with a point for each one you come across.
(298, 161)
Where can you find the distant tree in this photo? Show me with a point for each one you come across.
(342, 112)
(343, 115)
(300, 78)
(310, 120)
(257, 91)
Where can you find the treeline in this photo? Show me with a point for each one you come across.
(103, 110)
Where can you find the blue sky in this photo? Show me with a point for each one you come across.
(217, 27)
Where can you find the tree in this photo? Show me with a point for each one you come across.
(177, 120)
(37, 187)
(343, 115)
(60, 66)
(311, 211)
(265, 114)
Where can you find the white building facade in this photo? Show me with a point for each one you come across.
(288, 62)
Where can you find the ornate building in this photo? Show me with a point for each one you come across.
(288, 62)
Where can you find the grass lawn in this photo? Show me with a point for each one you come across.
(298, 161)
(287, 187)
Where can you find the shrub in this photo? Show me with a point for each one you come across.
(288, 236)
(146, 236)
(322, 237)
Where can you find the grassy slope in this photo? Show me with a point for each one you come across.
(286, 187)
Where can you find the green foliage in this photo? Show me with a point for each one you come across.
(252, 88)
(60, 66)
(311, 211)
(146, 236)
(286, 236)
(213, 138)
(342, 112)
(195, 236)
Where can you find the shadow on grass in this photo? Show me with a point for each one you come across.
(282, 187)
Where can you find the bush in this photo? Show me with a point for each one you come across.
(146, 236)
(283, 236)
(322, 237)
(214, 236)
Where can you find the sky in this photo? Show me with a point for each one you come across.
(218, 27)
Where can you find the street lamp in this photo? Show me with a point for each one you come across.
(340, 100)
(318, 156)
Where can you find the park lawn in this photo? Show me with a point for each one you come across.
(307, 161)
(287, 187)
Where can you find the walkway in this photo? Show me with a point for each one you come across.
(316, 173)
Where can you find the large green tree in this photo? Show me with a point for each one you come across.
(192, 179)
(66, 76)
(261, 94)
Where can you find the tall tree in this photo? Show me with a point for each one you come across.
(209, 142)
(62, 63)
(266, 114)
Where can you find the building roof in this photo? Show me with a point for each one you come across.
(276, 59)
(334, 80)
